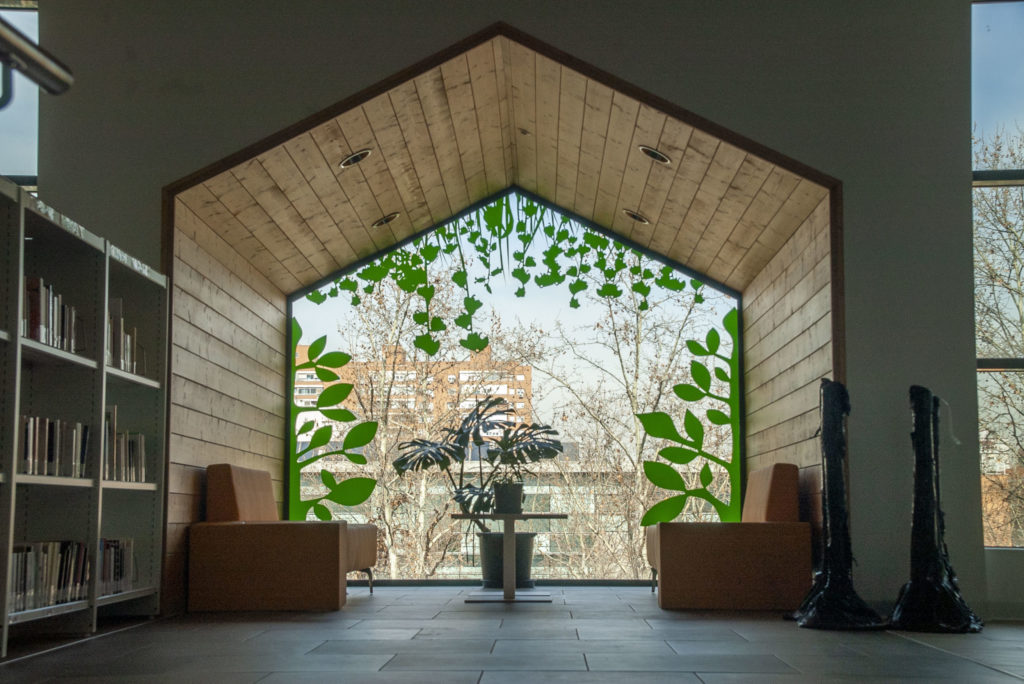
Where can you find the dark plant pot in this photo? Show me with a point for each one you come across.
(491, 558)
(508, 497)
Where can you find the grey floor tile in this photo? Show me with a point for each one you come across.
(527, 647)
(520, 631)
(390, 677)
(768, 664)
(485, 662)
(491, 677)
(395, 646)
(936, 665)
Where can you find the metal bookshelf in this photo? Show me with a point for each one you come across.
(79, 384)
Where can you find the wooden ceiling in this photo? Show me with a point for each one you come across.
(497, 114)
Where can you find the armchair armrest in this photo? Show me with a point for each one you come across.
(288, 565)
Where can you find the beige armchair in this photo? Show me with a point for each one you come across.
(761, 563)
(245, 558)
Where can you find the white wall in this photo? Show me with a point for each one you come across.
(873, 93)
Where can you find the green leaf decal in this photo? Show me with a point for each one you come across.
(360, 435)
(689, 392)
(664, 476)
(712, 341)
(701, 375)
(721, 374)
(339, 414)
(609, 290)
(333, 395)
(326, 375)
(437, 325)
(356, 458)
(694, 428)
(306, 427)
(334, 359)
(718, 417)
(321, 437)
(322, 512)
(706, 476)
(659, 424)
(696, 348)
(317, 347)
(474, 342)
(678, 455)
(353, 491)
(472, 305)
(427, 344)
(665, 510)
(420, 318)
(328, 479)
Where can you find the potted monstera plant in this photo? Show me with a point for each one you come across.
(509, 449)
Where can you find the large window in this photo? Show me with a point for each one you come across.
(998, 136)
(19, 120)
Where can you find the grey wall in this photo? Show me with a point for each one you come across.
(873, 93)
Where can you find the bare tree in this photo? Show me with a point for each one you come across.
(999, 321)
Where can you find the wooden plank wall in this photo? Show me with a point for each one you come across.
(227, 389)
(787, 328)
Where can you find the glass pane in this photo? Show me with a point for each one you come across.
(19, 120)
(997, 78)
(999, 271)
(1000, 425)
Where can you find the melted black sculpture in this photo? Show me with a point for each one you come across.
(832, 602)
(931, 600)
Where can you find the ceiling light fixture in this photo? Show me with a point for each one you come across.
(636, 216)
(654, 154)
(354, 158)
(385, 220)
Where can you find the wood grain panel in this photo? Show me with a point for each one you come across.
(673, 141)
(394, 152)
(486, 91)
(649, 125)
(549, 78)
(713, 253)
(571, 108)
(199, 246)
(803, 359)
(311, 163)
(413, 122)
(459, 90)
(211, 212)
(693, 166)
(232, 409)
(198, 369)
(281, 213)
(524, 113)
(503, 75)
(381, 186)
(799, 428)
(434, 98)
(621, 125)
(592, 142)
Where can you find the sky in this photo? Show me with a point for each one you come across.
(19, 119)
(997, 70)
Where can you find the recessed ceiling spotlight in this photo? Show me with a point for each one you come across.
(654, 154)
(636, 216)
(385, 220)
(354, 158)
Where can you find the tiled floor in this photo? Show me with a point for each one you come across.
(423, 635)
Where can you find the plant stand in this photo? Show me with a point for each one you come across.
(508, 593)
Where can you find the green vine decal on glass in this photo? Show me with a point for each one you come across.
(494, 241)
(690, 446)
(349, 492)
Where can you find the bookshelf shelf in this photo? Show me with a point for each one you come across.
(61, 283)
(125, 596)
(37, 351)
(133, 378)
(130, 486)
(48, 611)
(52, 481)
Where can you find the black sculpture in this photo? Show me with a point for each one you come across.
(832, 602)
(931, 600)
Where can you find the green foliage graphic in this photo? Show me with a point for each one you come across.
(496, 241)
(689, 445)
(348, 492)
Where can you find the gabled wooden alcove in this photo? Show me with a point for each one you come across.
(497, 110)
